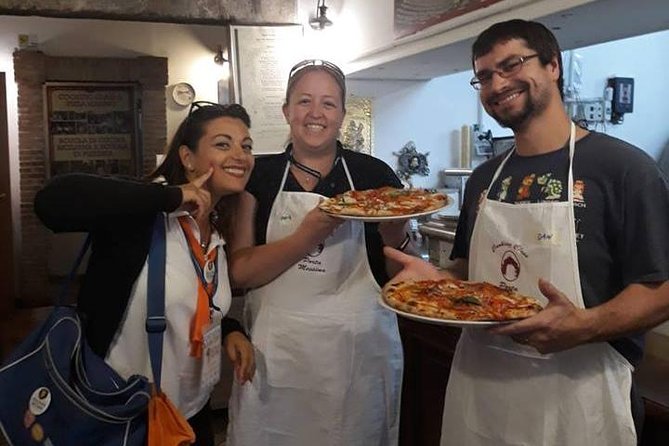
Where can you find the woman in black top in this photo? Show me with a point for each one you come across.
(330, 358)
(208, 163)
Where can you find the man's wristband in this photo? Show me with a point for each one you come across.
(402, 246)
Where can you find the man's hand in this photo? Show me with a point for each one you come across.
(241, 354)
(195, 198)
(559, 326)
(393, 232)
(413, 268)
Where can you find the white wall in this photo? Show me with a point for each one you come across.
(428, 113)
(646, 59)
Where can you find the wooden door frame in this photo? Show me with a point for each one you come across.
(8, 256)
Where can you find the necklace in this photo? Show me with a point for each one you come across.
(312, 173)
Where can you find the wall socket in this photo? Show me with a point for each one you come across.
(590, 110)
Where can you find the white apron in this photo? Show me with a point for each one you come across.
(503, 393)
(329, 358)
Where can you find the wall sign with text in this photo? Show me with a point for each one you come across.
(261, 59)
(92, 128)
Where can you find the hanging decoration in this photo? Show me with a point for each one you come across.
(411, 162)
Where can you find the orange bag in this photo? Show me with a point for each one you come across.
(167, 427)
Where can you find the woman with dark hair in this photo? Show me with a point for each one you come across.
(196, 188)
(329, 356)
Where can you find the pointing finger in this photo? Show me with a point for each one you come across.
(199, 181)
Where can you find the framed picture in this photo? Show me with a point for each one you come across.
(356, 130)
(92, 127)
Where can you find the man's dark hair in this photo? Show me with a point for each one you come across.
(536, 36)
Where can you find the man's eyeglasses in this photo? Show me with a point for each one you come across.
(505, 70)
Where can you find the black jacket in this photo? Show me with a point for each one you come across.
(119, 215)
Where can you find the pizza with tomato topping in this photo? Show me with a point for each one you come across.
(459, 300)
(384, 202)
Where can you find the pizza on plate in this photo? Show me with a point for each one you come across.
(384, 202)
(459, 300)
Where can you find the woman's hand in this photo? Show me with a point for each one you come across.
(195, 198)
(240, 352)
(318, 225)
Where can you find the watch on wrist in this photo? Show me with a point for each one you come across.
(402, 246)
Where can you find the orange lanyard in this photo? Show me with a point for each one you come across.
(206, 267)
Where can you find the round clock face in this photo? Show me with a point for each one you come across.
(183, 93)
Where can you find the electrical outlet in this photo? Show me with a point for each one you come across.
(590, 110)
(593, 111)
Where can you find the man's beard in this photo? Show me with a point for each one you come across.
(517, 120)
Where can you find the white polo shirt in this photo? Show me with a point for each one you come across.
(129, 351)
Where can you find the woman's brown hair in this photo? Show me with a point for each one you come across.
(188, 134)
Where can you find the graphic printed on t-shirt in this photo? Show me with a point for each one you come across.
(535, 188)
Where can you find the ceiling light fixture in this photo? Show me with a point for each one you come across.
(321, 20)
(219, 58)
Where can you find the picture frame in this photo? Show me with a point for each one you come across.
(356, 131)
(92, 128)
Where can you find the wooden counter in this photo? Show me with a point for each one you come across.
(652, 378)
(428, 352)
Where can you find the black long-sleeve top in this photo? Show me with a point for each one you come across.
(119, 216)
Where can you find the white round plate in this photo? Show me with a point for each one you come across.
(377, 218)
(436, 321)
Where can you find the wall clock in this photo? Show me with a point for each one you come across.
(183, 94)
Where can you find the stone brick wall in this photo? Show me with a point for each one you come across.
(32, 69)
(212, 12)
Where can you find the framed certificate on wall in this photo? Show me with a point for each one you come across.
(92, 128)
(261, 57)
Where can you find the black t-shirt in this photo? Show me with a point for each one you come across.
(366, 172)
(621, 211)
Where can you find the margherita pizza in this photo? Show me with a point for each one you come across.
(384, 202)
(459, 300)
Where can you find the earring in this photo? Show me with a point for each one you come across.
(190, 168)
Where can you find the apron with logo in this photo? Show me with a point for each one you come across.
(329, 358)
(504, 393)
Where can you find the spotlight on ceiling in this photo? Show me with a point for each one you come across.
(321, 20)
